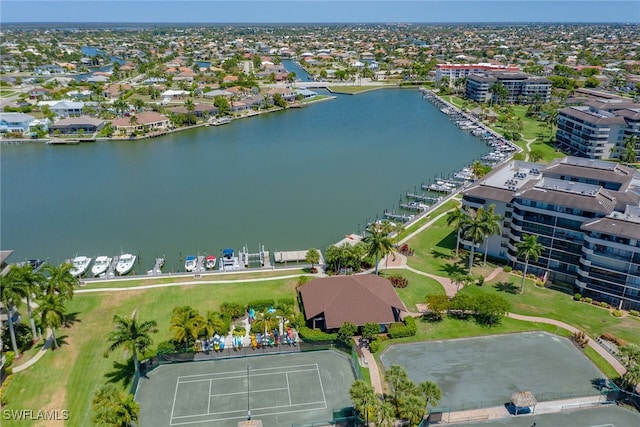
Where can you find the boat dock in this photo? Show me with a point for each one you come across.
(414, 206)
(157, 267)
(397, 217)
(423, 198)
(199, 264)
(111, 270)
(261, 257)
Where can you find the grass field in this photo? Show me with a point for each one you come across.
(67, 378)
(419, 287)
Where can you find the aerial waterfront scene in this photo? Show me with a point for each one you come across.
(314, 213)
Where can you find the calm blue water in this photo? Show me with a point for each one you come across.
(289, 180)
(300, 72)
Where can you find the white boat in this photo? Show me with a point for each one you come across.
(80, 265)
(229, 261)
(190, 263)
(125, 263)
(211, 262)
(100, 265)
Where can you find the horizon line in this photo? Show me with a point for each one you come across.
(317, 23)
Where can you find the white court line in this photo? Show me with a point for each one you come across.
(252, 370)
(605, 425)
(288, 387)
(209, 399)
(324, 397)
(175, 395)
(256, 409)
(245, 376)
(244, 392)
(243, 417)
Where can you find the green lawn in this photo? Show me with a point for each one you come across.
(433, 249)
(449, 204)
(419, 287)
(544, 302)
(67, 378)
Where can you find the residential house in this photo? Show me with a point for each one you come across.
(145, 120)
(15, 122)
(75, 125)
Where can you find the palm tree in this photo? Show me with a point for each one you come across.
(312, 257)
(138, 104)
(186, 323)
(412, 408)
(114, 408)
(51, 309)
(132, 335)
(379, 243)
(31, 281)
(386, 414)
(214, 324)
(478, 170)
(458, 279)
(364, 398)
(59, 280)
(492, 223)
(528, 247)
(268, 318)
(456, 218)
(629, 154)
(12, 292)
(431, 393)
(397, 378)
(474, 228)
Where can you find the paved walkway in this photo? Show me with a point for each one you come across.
(38, 355)
(374, 370)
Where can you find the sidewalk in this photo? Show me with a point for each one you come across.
(374, 372)
(38, 355)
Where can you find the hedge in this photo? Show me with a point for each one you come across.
(261, 304)
(309, 334)
(402, 330)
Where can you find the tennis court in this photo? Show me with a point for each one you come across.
(278, 389)
(608, 416)
(484, 371)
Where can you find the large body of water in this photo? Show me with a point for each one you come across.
(289, 180)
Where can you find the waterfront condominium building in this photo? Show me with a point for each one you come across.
(457, 71)
(599, 129)
(586, 215)
(521, 88)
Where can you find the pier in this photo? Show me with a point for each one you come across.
(423, 198)
(157, 267)
(261, 257)
(111, 270)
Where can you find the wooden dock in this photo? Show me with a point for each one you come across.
(423, 198)
(111, 270)
(157, 267)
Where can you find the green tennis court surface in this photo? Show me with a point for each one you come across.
(484, 371)
(278, 389)
(606, 416)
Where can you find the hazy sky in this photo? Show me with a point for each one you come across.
(327, 11)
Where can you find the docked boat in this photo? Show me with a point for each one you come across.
(190, 263)
(229, 261)
(100, 265)
(125, 263)
(211, 262)
(80, 265)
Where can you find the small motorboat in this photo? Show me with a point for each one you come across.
(211, 262)
(125, 263)
(80, 265)
(100, 265)
(190, 263)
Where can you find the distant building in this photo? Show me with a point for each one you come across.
(584, 213)
(598, 129)
(521, 88)
(456, 71)
(75, 125)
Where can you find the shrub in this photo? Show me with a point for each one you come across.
(370, 330)
(166, 347)
(261, 305)
(634, 313)
(347, 331)
(604, 304)
(399, 281)
(3, 390)
(614, 339)
(577, 297)
(24, 337)
(581, 339)
(402, 330)
(616, 313)
(539, 283)
(374, 345)
(587, 300)
(309, 334)
(285, 302)
(507, 269)
(233, 309)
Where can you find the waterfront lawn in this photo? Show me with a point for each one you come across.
(417, 290)
(435, 250)
(67, 378)
(203, 279)
(552, 304)
(449, 204)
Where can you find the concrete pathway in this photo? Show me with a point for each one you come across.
(38, 355)
(370, 361)
(529, 142)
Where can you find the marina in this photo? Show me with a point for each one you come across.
(268, 210)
